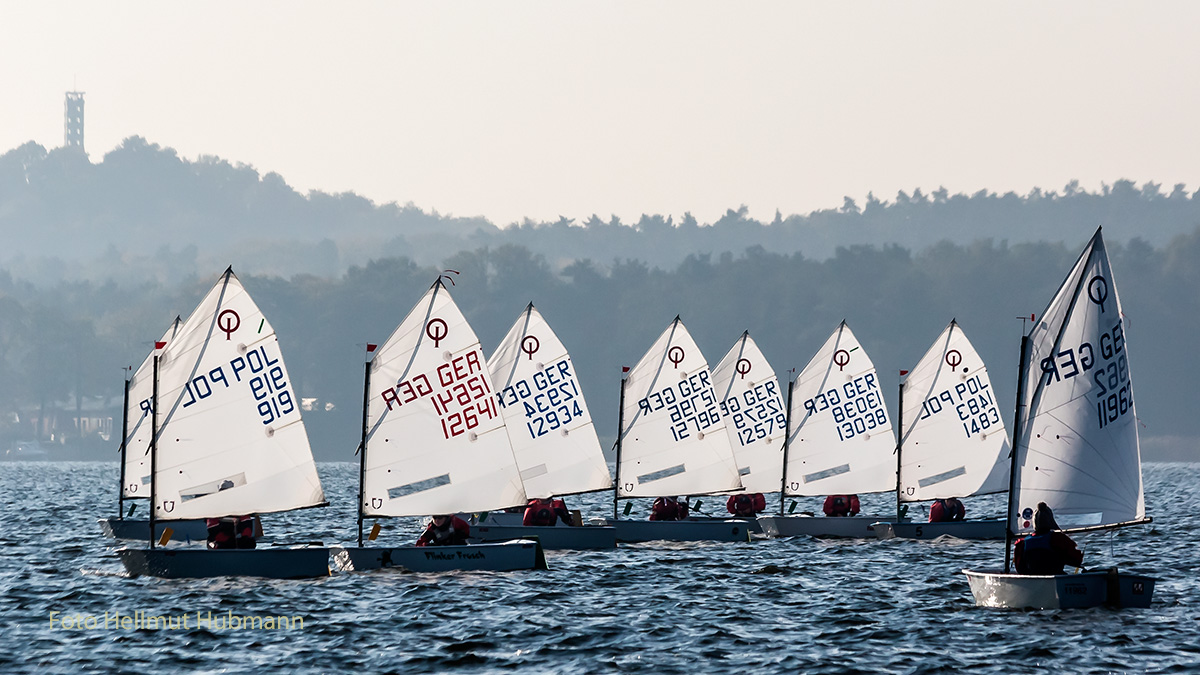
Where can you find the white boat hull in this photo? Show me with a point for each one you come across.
(193, 563)
(130, 528)
(631, 531)
(818, 526)
(960, 529)
(523, 554)
(554, 538)
(993, 588)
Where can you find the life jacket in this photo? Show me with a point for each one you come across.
(841, 505)
(668, 508)
(543, 513)
(244, 530)
(946, 510)
(453, 533)
(745, 505)
(221, 533)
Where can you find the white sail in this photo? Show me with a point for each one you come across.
(754, 412)
(673, 440)
(952, 443)
(137, 416)
(841, 440)
(553, 438)
(1077, 449)
(230, 439)
(436, 441)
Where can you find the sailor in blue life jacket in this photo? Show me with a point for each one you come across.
(946, 510)
(746, 506)
(669, 508)
(841, 505)
(445, 530)
(1046, 551)
(546, 512)
(231, 532)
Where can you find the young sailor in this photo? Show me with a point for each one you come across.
(746, 506)
(946, 510)
(445, 531)
(1046, 551)
(669, 508)
(546, 512)
(841, 505)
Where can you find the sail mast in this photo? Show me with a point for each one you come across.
(362, 448)
(124, 450)
(1012, 470)
(620, 431)
(154, 449)
(787, 440)
(899, 444)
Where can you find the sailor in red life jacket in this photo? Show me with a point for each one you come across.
(746, 506)
(445, 531)
(1046, 551)
(232, 532)
(222, 533)
(669, 508)
(946, 510)
(546, 512)
(841, 505)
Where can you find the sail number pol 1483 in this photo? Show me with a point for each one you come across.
(971, 400)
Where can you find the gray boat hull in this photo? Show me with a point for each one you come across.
(632, 531)
(960, 529)
(993, 588)
(819, 526)
(586, 537)
(523, 554)
(139, 528)
(199, 563)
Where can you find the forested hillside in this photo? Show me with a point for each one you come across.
(99, 257)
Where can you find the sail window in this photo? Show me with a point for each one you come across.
(661, 474)
(942, 477)
(827, 473)
(419, 486)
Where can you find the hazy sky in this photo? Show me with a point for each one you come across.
(540, 109)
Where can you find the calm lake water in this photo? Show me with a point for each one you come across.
(796, 605)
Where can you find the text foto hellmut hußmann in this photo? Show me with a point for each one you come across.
(143, 620)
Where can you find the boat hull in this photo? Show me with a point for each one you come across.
(992, 588)
(586, 537)
(129, 528)
(507, 556)
(632, 531)
(960, 529)
(816, 526)
(194, 563)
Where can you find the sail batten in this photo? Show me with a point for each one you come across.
(674, 440)
(553, 437)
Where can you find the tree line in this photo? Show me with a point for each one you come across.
(69, 341)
